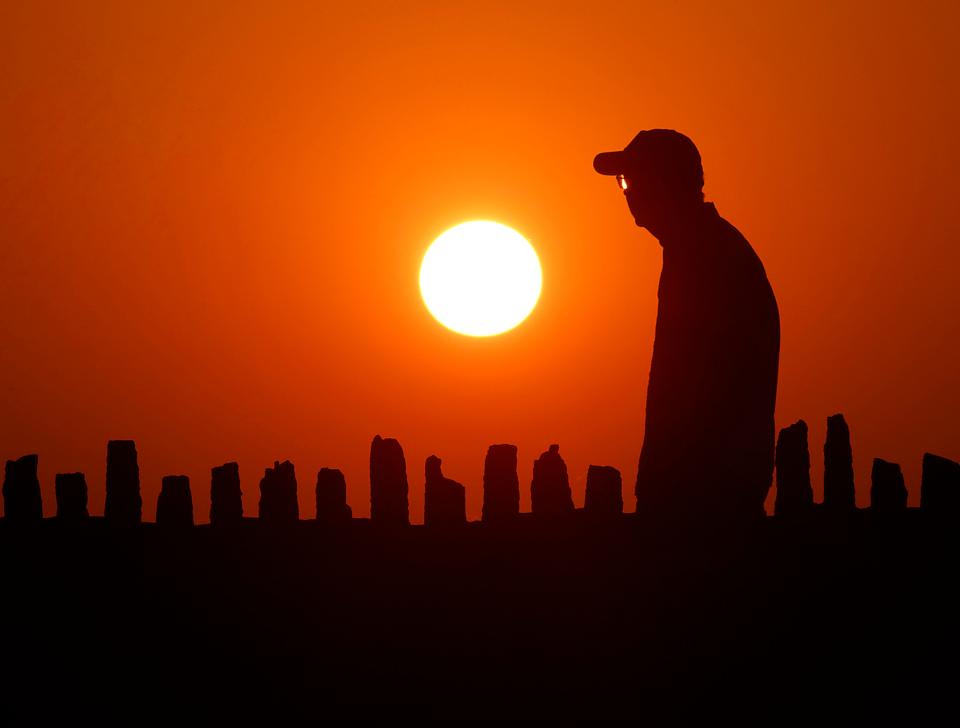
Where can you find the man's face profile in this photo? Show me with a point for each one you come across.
(644, 196)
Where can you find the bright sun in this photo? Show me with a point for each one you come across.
(480, 278)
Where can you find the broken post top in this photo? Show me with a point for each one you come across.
(888, 492)
(226, 498)
(278, 493)
(175, 503)
(388, 483)
(501, 486)
(940, 485)
(331, 496)
(71, 492)
(550, 488)
(21, 490)
(839, 493)
(123, 503)
(444, 499)
(604, 494)
(432, 467)
(794, 492)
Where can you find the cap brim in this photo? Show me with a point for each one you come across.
(610, 162)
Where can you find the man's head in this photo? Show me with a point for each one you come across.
(661, 177)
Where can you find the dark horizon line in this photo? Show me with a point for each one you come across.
(445, 499)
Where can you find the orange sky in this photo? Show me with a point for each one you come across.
(212, 222)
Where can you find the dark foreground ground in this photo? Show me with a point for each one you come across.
(835, 620)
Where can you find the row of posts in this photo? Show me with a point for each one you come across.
(939, 483)
(445, 499)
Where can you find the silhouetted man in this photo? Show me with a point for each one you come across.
(708, 447)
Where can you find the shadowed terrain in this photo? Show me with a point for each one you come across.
(561, 614)
(562, 619)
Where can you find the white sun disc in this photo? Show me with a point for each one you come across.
(480, 278)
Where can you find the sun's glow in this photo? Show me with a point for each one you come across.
(480, 278)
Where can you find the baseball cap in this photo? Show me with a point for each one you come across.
(663, 152)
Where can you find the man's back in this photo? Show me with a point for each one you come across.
(709, 438)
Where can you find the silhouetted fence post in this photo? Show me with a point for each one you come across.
(940, 486)
(388, 483)
(501, 486)
(888, 493)
(123, 503)
(445, 500)
(21, 491)
(278, 494)
(839, 494)
(550, 489)
(794, 493)
(226, 498)
(604, 495)
(71, 491)
(331, 495)
(175, 503)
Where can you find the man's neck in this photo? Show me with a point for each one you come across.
(680, 230)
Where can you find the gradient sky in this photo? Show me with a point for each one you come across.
(212, 219)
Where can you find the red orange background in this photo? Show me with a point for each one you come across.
(212, 218)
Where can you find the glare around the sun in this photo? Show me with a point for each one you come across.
(480, 278)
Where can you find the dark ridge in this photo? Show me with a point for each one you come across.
(806, 616)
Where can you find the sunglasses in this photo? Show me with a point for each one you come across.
(622, 182)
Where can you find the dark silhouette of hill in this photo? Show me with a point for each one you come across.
(525, 620)
(596, 616)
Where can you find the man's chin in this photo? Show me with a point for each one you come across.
(638, 220)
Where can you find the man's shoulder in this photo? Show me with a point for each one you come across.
(732, 245)
(720, 226)
(739, 260)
